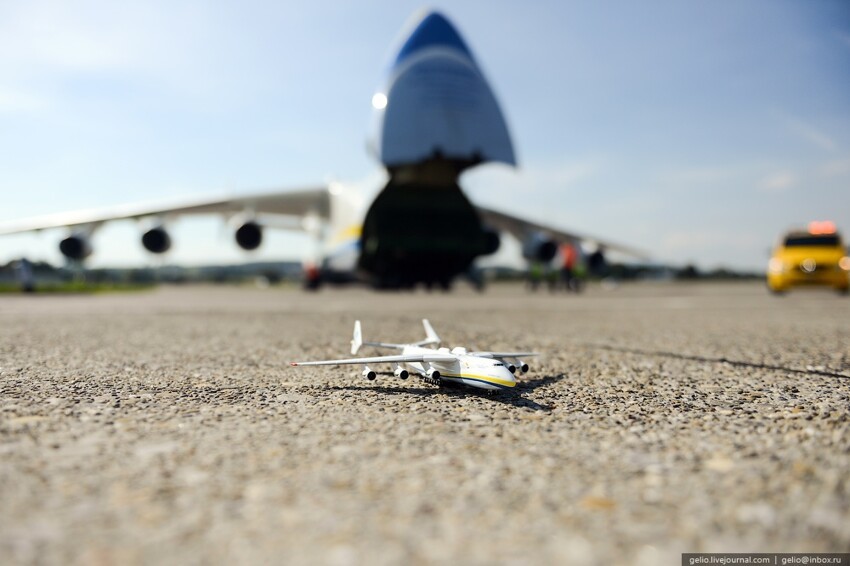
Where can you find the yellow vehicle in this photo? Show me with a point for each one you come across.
(806, 258)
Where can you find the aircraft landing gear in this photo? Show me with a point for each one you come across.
(432, 380)
(312, 278)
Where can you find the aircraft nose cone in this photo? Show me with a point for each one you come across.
(434, 30)
(437, 104)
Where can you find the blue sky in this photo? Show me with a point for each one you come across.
(696, 130)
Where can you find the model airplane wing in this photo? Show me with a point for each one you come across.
(501, 355)
(521, 229)
(436, 357)
(299, 203)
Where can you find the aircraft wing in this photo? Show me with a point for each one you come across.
(436, 357)
(521, 229)
(303, 202)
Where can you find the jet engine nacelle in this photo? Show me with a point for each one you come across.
(249, 236)
(156, 240)
(400, 372)
(432, 373)
(76, 247)
(492, 241)
(516, 365)
(539, 247)
(597, 264)
(369, 373)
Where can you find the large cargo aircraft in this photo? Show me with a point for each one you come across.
(437, 116)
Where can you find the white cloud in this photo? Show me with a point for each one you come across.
(15, 101)
(49, 46)
(781, 181)
(58, 36)
(533, 178)
(542, 191)
(810, 133)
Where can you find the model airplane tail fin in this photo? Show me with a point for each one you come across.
(430, 336)
(357, 339)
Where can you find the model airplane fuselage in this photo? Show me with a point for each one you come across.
(484, 370)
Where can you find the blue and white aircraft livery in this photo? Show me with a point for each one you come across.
(436, 116)
(484, 370)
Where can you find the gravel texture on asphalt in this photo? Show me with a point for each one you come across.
(167, 427)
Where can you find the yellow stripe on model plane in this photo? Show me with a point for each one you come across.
(484, 378)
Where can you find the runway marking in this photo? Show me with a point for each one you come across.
(704, 359)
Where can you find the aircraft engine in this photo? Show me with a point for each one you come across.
(400, 372)
(156, 240)
(522, 366)
(432, 374)
(76, 246)
(539, 247)
(249, 236)
(511, 367)
(369, 373)
(597, 264)
(492, 240)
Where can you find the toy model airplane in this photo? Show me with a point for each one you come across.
(485, 370)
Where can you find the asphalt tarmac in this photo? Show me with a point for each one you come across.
(167, 427)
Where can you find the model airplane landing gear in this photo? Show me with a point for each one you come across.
(433, 379)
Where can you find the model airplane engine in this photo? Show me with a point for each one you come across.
(156, 240)
(76, 247)
(432, 373)
(401, 373)
(249, 236)
(539, 247)
(369, 374)
(511, 367)
(522, 366)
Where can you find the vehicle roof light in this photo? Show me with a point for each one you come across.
(822, 227)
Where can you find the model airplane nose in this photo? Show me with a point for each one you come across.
(508, 378)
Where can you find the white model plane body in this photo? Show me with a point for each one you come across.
(483, 370)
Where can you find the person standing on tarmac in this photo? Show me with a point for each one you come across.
(568, 258)
(25, 275)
